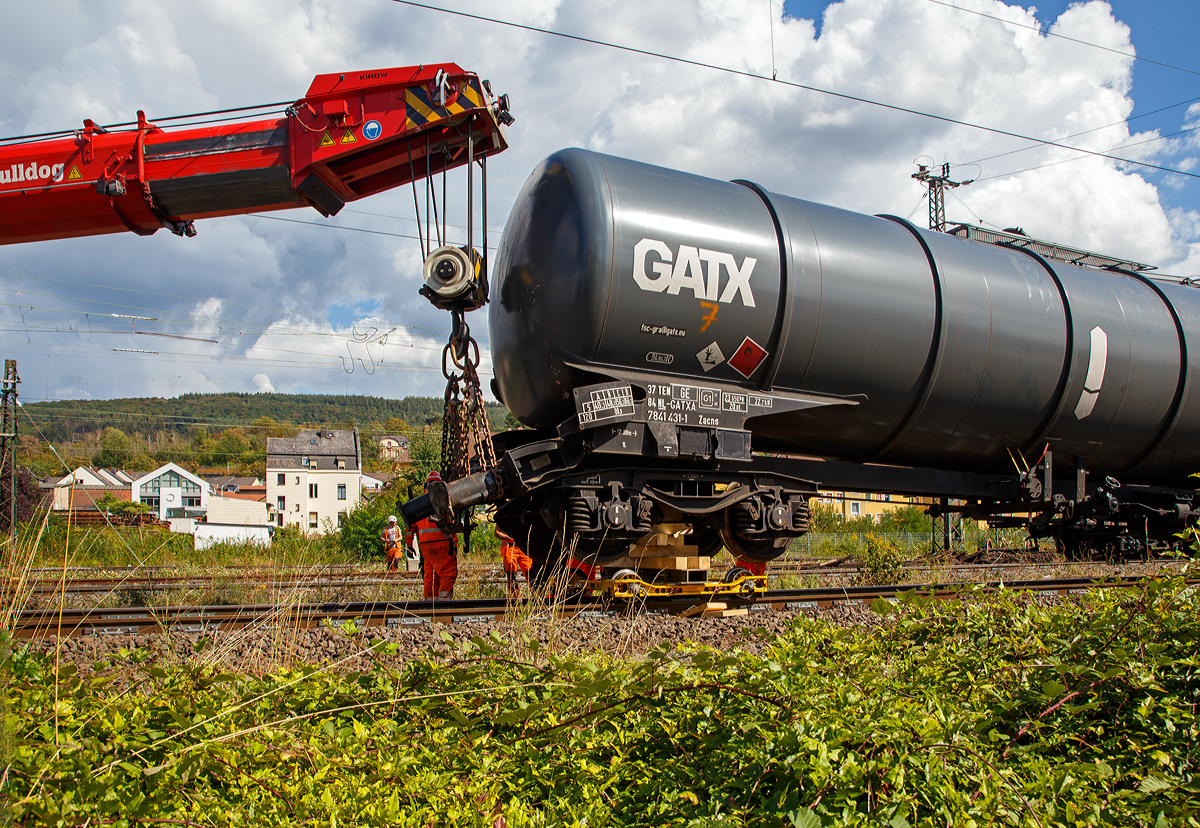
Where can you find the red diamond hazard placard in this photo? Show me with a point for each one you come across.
(749, 356)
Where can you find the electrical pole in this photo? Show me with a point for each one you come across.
(937, 185)
(8, 434)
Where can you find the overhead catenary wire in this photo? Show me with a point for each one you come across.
(1089, 131)
(355, 229)
(321, 316)
(1047, 33)
(119, 126)
(1081, 157)
(792, 84)
(248, 328)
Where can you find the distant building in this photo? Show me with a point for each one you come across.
(854, 505)
(172, 492)
(314, 479)
(234, 510)
(393, 447)
(230, 483)
(82, 488)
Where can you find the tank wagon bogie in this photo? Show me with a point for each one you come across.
(659, 331)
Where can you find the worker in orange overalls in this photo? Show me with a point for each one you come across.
(439, 551)
(391, 544)
(514, 561)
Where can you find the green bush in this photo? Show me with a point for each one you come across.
(114, 506)
(359, 535)
(879, 562)
(993, 710)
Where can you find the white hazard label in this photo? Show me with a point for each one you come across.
(710, 357)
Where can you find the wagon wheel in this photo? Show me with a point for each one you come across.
(758, 551)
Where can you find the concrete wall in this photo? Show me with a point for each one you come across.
(237, 511)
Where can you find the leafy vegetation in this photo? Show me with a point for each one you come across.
(112, 505)
(879, 562)
(62, 421)
(826, 518)
(989, 711)
(214, 431)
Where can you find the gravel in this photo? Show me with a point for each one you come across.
(258, 650)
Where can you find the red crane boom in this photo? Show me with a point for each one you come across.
(353, 134)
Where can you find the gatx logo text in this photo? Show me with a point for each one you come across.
(694, 269)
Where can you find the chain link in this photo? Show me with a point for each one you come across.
(466, 432)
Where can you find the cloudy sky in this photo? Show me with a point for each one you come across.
(321, 307)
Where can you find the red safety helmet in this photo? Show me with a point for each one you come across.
(432, 476)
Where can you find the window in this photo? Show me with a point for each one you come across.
(341, 463)
(341, 491)
(279, 519)
(304, 462)
(312, 489)
(312, 520)
(281, 480)
(297, 480)
(341, 519)
(191, 501)
(855, 509)
(281, 504)
(152, 502)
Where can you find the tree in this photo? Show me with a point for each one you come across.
(911, 519)
(425, 452)
(28, 496)
(359, 534)
(395, 425)
(116, 449)
(229, 448)
(141, 462)
(371, 457)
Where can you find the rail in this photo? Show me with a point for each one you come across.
(39, 623)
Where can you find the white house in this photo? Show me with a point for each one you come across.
(172, 492)
(83, 487)
(314, 479)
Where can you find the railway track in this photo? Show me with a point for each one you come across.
(138, 620)
(83, 581)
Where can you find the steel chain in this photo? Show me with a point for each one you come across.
(466, 432)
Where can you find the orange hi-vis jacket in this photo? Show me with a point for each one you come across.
(515, 560)
(438, 551)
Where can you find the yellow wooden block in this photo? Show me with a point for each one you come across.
(705, 609)
(726, 613)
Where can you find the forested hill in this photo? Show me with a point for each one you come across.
(68, 419)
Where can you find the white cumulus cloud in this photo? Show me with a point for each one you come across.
(254, 302)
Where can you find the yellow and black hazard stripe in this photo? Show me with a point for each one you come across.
(421, 109)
